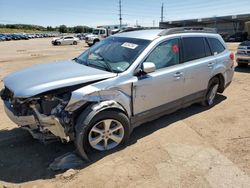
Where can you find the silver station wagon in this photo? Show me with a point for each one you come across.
(98, 98)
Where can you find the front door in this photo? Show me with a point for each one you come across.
(162, 89)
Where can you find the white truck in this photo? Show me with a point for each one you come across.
(97, 35)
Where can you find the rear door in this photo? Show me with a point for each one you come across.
(198, 62)
(103, 33)
(223, 61)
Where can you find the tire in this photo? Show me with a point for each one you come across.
(84, 133)
(242, 64)
(74, 43)
(211, 92)
(96, 41)
(58, 43)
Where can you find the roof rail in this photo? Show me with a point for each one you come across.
(187, 30)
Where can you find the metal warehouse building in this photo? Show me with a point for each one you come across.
(224, 24)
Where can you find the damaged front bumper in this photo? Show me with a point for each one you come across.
(30, 122)
(50, 123)
(19, 120)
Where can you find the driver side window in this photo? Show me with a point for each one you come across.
(165, 54)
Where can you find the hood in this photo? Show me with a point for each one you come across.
(41, 78)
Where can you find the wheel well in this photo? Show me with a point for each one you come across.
(116, 109)
(221, 82)
(87, 108)
(96, 40)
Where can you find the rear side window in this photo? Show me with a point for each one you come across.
(193, 48)
(215, 45)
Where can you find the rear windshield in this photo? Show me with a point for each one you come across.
(117, 53)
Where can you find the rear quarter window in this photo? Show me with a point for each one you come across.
(215, 45)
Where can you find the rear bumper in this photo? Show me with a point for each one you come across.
(242, 58)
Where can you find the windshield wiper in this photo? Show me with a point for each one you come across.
(77, 60)
(101, 59)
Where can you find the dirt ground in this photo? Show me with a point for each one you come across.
(193, 147)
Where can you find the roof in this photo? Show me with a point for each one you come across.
(210, 20)
(150, 34)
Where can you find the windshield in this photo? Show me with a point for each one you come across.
(114, 54)
(96, 31)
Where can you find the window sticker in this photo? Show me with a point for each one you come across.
(175, 49)
(129, 45)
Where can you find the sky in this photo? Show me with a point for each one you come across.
(105, 12)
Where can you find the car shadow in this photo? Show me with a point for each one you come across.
(242, 69)
(24, 159)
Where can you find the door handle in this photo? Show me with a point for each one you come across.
(178, 75)
(210, 64)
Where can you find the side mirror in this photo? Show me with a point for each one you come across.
(148, 67)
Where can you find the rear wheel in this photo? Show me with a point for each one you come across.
(108, 130)
(211, 93)
(58, 43)
(74, 43)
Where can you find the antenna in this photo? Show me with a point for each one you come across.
(120, 13)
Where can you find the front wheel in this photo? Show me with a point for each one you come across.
(108, 130)
(211, 93)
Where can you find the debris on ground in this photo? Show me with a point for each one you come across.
(67, 161)
(69, 174)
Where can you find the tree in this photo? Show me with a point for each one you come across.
(63, 29)
(49, 28)
(78, 29)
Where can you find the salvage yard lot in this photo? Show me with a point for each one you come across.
(193, 147)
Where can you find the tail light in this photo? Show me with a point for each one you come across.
(231, 56)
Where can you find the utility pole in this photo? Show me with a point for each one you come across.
(162, 7)
(120, 13)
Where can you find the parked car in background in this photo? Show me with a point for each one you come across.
(97, 35)
(2, 37)
(82, 36)
(65, 40)
(237, 37)
(7, 37)
(99, 97)
(243, 54)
